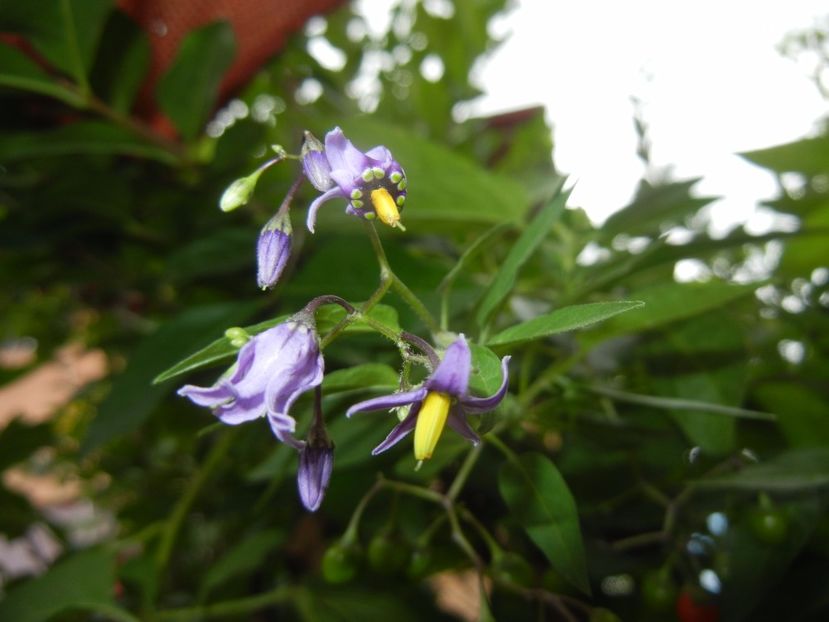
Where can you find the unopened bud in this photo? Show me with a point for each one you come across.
(273, 249)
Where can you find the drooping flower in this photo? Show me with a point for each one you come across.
(272, 370)
(443, 399)
(273, 249)
(373, 183)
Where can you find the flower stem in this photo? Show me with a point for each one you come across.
(239, 607)
(464, 471)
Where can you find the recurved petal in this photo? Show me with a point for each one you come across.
(386, 402)
(398, 432)
(317, 203)
(210, 397)
(282, 427)
(477, 405)
(452, 375)
(381, 155)
(342, 154)
(241, 410)
(457, 421)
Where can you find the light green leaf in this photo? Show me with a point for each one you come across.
(82, 580)
(809, 156)
(133, 396)
(504, 281)
(485, 377)
(562, 320)
(187, 92)
(539, 499)
(365, 376)
(669, 302)
(792, 471)
(472, 251)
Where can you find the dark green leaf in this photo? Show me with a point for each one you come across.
(133, 395)
(244, 558)
(802, 414)
(84, 578)
(20, 72)
(85, 137)
(187, 92)
(65, 32)
(792, 471)
(122, 62)
(535, 232)
(562, 320)
(20, 440)
(539, 499)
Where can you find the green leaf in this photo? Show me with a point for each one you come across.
(803, 414)
(792, 471)
(187, 92)
(121, 63)
(84, 137)
(443, 186)
(366, 376)
(243, 558)
(480, 244)
(535, 232)
(539, 499)
(133, 395)
(485, 377)
(809, 156)
(669, 302)
(221, 349)
(562, 320)
(20, 72)
(65, 32)
(81, 579)
(654, 208)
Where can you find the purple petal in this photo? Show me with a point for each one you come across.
(457, 421)
(399, 431)
(386, 402)
(452, 375)
(272, 252)
(241, 410)
(283, 430)
(210, 397)
(342, 154)
(476, 405)
(345, 180)
(381, 155)
(315, 205)
(317, 170)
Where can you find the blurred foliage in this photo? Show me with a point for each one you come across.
(633, 468)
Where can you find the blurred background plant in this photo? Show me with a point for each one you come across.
(671, 461)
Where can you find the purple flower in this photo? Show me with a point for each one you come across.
(442, 399)
(273, 369)
(273, 249)
(373, 183)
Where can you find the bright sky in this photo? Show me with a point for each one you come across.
(708, 72)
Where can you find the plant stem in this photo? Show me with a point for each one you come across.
(464, 471)
(239, 607)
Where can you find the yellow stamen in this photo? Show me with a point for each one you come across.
(386, 208)
(430, 422)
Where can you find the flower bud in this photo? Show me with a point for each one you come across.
(273, 249)
(316, 460)
(239, 192)
(315, 163)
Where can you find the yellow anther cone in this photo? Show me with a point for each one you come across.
(430, 422)
(385, 207)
